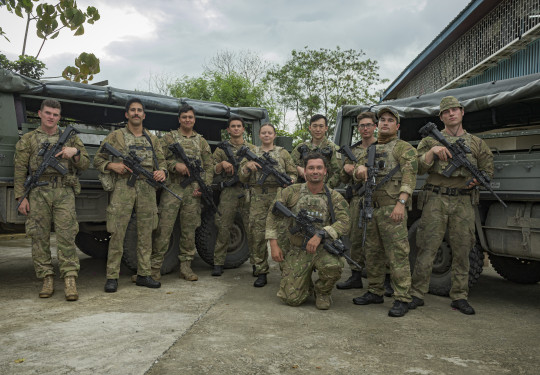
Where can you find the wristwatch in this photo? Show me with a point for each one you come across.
(77, 153)
(322, 234)
(402, 201)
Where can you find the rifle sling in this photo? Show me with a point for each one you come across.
(386, 178)
(156, 165)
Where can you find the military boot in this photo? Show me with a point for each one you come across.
(48, 287)
(353, 282)
(186, 272)
(155, 273)
(71, 288)
(388, 290)
(323, 301)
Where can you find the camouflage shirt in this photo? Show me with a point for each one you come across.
(195, 146)
(219, 156)
(360, 153)
(292, 196)
(27, 159)
(334, 164)
(480, 156)
(285, 165)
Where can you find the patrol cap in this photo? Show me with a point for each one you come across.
(449, 102)
(390, 110)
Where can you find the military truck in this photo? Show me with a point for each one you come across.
(95, 111)
(506, 114)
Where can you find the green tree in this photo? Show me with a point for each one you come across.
(49, 21)
(26, 65)
(322, 81)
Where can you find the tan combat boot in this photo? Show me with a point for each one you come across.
(186, 272)
(48, 287)
(156, 274)
(71, 288)
(323, 301)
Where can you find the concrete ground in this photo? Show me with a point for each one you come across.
(223, 325)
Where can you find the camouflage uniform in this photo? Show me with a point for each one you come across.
(334, 164)
(355, 233)
(298, 265)
(126, 200)
(54, 202)
(261, 197)
(232, 200)
(447, 209)
(189, 209)
(387, 241)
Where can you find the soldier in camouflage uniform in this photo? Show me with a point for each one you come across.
(232, 198)
(387, 241)
(189, 209)
(367, 122)
(126, 200)
(318, 126)
(448, 204)
(303, 257)
(261, 197)
(53, 202)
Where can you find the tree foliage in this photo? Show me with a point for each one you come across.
(322, 81)
(86, 65)
(49, 21)
(26, 65)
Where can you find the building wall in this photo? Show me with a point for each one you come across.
(502, 25)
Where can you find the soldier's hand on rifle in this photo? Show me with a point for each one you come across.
(227, 167)
(441, 152)
(313, 243)
(348, 168)
(275, 251)
(251, 166)
(67, 152)
(301, 172)
(361, 173)
(197, 192)
(472, 183)
(119, 168)
(159, 176)
(182, 169)
(24, 208)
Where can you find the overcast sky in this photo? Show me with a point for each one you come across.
(137, 38)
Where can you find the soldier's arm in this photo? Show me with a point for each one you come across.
(158, 149)
(23, 152)
(341, 209)
(207, 162)
(485, 158)
(101, 159)
(424, 147)
(295, 155)
(408, 161)
(290, 167)
(219, 156)
(83, 161)
(272, 221)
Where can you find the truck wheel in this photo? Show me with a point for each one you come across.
(205, 239)
(129, 256)
(518, 270)
(440, 280)
(94, 244)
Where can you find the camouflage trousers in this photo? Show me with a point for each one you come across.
(356, 235)
(296, 270)
(49, 204)
(140, 199)
(387, 243)
(258, 211)
(442, 212)
(229, 205)
(189, 212)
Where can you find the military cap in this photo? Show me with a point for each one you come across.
(449, 102)
(390, 110)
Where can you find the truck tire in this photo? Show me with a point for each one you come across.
(94, 244)
(205, 240)
(440, 281)
(129, 256)
(518, 270)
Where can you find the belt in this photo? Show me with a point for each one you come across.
(446, 190)
(53, 181)
(263, 189)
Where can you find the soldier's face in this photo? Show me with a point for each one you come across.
(267, 135)
(452, 116)
(49, 117)
(235, 129)
(388, 124)
(318, 129)
(366, 128)
(187, 120)
(315, 170)
(135, 114)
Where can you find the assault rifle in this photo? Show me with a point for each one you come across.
(346, 150)
(459, 151)
(226, 147)
(305, 225)
(195, 170)
(304, 150)
(133, 162)
(49, 160)
(267, 164)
